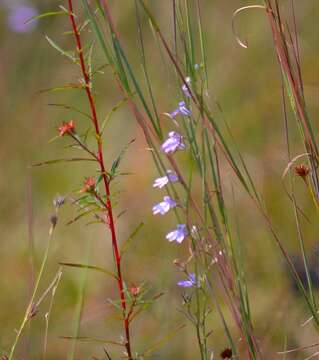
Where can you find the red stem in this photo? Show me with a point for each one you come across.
(105, 179)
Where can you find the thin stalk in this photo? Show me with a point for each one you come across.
(51, 288)
(30, 309)
(80, 303)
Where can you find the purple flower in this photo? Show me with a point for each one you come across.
(173, 142)
(19, 16)
(178, 235)
(182, 109)
(164, 206)
(162, 181)
(185, 88)
(188, 283)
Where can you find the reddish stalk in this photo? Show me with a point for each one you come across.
(283, 58)
(106, 180)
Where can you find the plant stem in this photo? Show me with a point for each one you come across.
(106, 181)
(31, 308)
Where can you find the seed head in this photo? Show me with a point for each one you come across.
(226, 354)
(53, 219)
(302, 170)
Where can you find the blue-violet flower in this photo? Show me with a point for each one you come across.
(178, 235)
(188, 283)
(173, 142)
(164, 206)
(182, 109)
(162, 181)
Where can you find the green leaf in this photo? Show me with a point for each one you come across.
(56, 161)
(90, 267)
(69, 107)
(116, 162)
(127, 243)
(94, 222)
(60, 50)
(62, 88)
(110, 113)
(46, 14)
(166, 338)
(85, 213)
(89, 339)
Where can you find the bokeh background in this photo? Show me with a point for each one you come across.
(246, 84)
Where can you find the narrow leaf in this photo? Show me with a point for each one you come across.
(46, 14)
(56, 161)
(60, 50)
(127, 243)
(89, 339)
(90, 267)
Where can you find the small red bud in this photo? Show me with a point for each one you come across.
(135, 290)
(302, 170)
(89, 184)
(66, 128)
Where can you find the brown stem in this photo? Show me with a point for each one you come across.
(106, 181)
(83, 146)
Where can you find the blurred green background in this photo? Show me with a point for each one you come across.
(247, 85)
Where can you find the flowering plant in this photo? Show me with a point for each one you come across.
(201, 174)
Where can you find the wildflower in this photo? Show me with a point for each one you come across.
(188, 283)
(89, 184)
(173, 142)
(19, 16)
(162, 181)
(164, 206)
(178, 235)
(302, 171)
(135, 290)
(182, 109)
(66, 128)
(185, 88)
